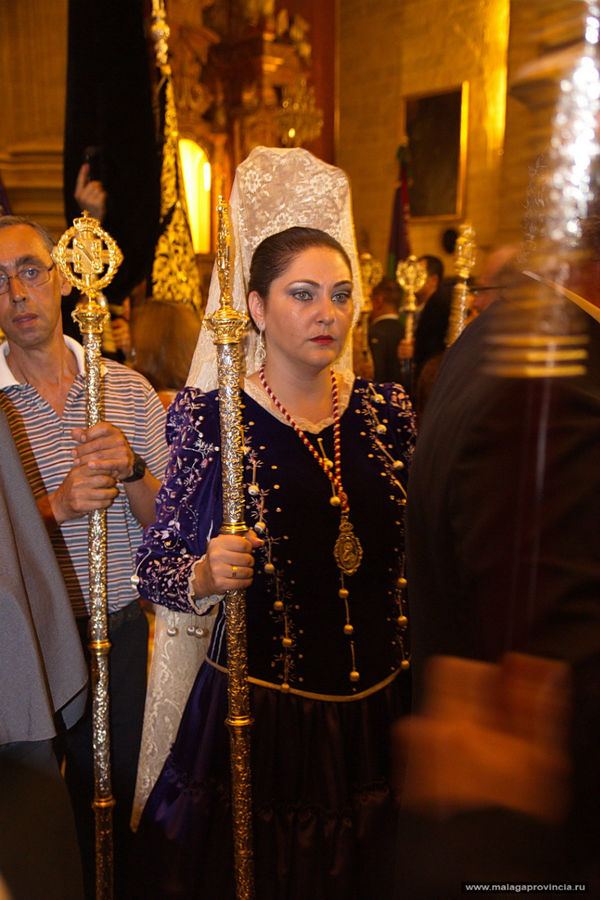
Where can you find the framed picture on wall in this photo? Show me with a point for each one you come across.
(436, 128)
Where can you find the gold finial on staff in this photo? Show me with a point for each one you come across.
(88, 257)
(464, 259)
(228, 327)
(411, 275)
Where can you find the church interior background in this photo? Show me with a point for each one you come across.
(343, 78)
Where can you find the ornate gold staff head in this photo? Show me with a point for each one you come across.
(411, 275)
(88, 257)
(227, 324)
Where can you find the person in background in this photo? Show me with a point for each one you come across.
(385, 330)
(431, 288)
(503, 561)
(430, 345)
(163, 338)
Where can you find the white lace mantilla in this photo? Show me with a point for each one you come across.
(180, 645)
(275, 189)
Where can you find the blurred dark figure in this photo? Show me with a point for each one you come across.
(503, 506)
(386, 330)
(164, 337)
(430, 345)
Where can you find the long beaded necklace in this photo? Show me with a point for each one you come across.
(347, 551)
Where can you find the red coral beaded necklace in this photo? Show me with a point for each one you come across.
(347, 551)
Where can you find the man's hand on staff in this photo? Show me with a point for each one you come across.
(227, 565)
(104, 449)
(102, 458)
(82, 491)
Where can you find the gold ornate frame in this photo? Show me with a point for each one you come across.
(436, 126)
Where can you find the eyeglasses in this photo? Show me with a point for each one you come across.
(30, 276)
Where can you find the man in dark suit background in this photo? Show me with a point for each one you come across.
(386, 330)
(503, 556)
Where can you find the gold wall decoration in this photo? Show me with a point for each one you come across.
(436, 126)
(299, 119)
(175, 275)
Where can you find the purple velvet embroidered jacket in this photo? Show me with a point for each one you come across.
(299, 601)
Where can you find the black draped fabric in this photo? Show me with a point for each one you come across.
(109, 106)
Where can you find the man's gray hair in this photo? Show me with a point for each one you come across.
(8, 221)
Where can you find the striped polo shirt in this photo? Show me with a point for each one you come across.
(44, 443)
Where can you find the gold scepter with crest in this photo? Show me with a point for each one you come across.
(228, 327)
(411, 275)
(88, 257)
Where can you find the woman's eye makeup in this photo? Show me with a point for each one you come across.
(344, 296)
(302, 294)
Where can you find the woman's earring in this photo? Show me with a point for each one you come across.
(261, 350)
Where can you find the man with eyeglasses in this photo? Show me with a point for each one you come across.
(72, 470)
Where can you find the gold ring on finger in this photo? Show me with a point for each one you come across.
(234, 571)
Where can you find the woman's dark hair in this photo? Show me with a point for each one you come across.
(272, 257)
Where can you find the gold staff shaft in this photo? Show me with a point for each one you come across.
(87, 251)
(228, 327)
(464, 261)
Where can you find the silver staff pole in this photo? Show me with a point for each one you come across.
(88, 258)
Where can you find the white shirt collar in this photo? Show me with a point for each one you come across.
(6, 376)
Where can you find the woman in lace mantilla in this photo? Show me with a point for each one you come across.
(325, 470)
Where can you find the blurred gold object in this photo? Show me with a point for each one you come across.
(371, 273)
(411, 275)
(542, 334)
(465, 254)
(88, 257)
(228, 327)
(537, 335)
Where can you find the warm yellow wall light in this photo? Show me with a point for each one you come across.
(196, 178)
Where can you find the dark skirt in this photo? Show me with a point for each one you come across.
(324, 821)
